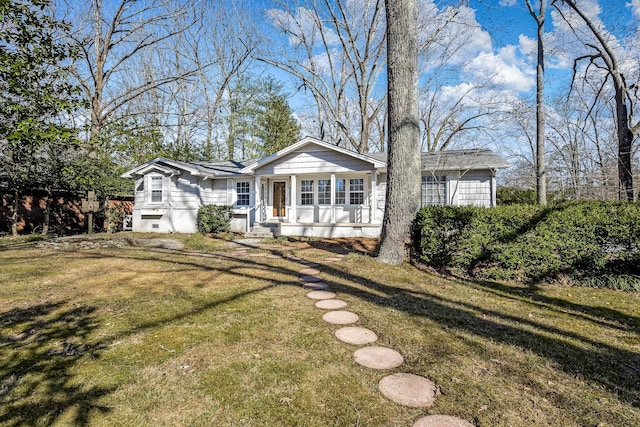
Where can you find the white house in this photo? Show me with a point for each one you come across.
(310, 188)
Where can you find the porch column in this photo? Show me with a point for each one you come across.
(257, 200)
(292, 198)
(374, 197)
(333, 198)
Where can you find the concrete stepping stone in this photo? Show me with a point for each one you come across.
(408, 390)
(257, 255)
(333, 259)
(441, 421)
(311, 278)
(340, 317)
(318, 286)
(355, 335)
(308, 264)
(378, 357)
(308, 272)
(273, 256)
(331, 304)
(321, 295)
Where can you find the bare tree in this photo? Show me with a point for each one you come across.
(337, 51)
(111, 39)
(540, 162)
(605, 59)
(403, 177)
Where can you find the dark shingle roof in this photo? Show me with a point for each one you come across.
(456, 160)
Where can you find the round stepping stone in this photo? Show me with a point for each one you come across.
(321, 295)
(356, 335)
(308, 271)
(340, 317)
(331, 304)
(378, 357)
(318, 286)
(408, 390)
(441, 421)
(311, 278)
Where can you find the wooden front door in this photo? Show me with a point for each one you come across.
(279, 198)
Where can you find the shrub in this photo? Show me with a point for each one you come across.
(214, 219)
(579, 240)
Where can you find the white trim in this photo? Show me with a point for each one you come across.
(163, 188)
(309, 140)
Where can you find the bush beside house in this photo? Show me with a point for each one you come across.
(214, 219)
(591, 243)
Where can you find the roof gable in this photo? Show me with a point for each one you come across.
(300, 147)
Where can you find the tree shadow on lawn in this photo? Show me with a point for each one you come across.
(40, 345)
(616, 369)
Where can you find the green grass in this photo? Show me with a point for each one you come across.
(139, 335)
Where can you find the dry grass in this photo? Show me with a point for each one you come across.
(140, 335)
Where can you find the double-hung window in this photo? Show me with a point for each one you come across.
(341, 191)
(324, 191)
(156, 189)
(434, 190)
(356, 191)
(306, 192)
(242, 190)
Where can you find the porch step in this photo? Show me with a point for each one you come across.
(263, 230)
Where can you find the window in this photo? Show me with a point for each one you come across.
(324, 191)
(242, 189)
(156, 186)
(340, 191)
(434, 190)
(356, 191)
(306, 192)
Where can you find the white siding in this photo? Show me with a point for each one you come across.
(322, 159)
(474, 188)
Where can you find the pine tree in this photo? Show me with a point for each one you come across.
(277, 127)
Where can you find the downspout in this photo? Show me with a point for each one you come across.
(171, 230)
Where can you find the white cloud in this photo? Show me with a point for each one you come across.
(508, 3)
(504, 71)
(528, 46)
(635, 7)
(302, 26)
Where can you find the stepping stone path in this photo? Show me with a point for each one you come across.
(331, 304)
(318, 286)
(378, 357)
(355, 335)
(321, 295)
(340, 317)
(402, 388)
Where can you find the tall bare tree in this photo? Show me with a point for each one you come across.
(403, 177)
(111, 37)
(337, 51)
(605, 59)
(540, 161)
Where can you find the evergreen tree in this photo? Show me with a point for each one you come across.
(277, 128)
(35, 98)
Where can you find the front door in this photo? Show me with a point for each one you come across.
(279, 198)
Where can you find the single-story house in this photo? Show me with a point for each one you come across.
(311, 188)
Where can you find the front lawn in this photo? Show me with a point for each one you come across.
(119, 332)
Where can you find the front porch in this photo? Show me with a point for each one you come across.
(314, 229)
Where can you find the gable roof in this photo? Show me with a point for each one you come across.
(456, 160)
(431, 161)
(308, 141)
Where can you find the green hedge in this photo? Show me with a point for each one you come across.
(593, 243)
(214, 219)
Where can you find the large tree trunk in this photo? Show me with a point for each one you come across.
(625, 138)
(403, 177)
(540, 161)
(47, 213)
